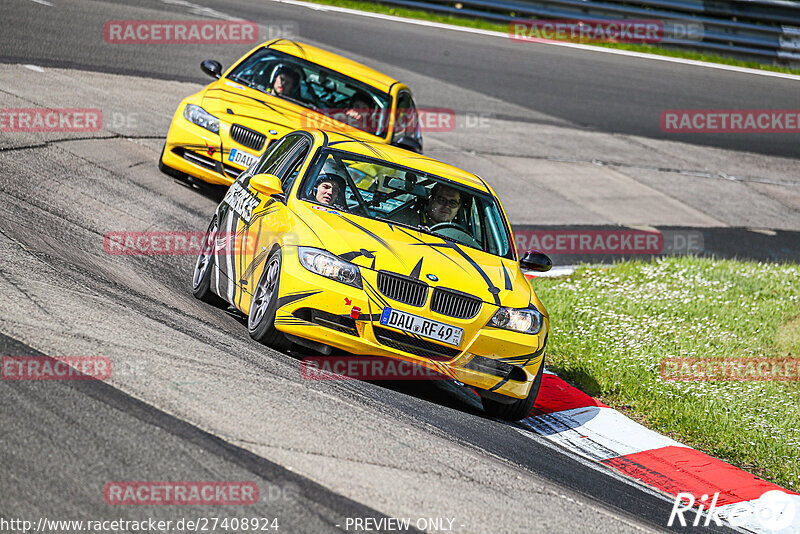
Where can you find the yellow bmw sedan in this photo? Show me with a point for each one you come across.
(331, 241)
(277, 87)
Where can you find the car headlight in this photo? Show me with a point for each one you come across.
(199, 116)
(525, 320)
(326, 264)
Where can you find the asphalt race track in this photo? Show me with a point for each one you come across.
(570, 137)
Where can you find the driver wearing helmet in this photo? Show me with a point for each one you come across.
(329, 189)
(285, 81)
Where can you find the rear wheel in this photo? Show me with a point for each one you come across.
(261, 319)
(201, 278)
(520, 408)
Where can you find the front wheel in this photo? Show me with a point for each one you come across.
(261, 319)
(201, 277)
(520, 408)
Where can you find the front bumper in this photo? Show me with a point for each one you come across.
(319, 309)
(203, 154)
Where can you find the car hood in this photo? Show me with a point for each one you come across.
(382, 246)
(234, 102)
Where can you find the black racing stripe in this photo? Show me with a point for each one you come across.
(324, 138)
(256, 261)
(538, 352)
(351, 139)
(507, 278)
(503, 381)
(271, 207)
(417, 269)
(374, 236)
(270, 107)
(288, 299)
(525, 357)
(432, 245)
(493, 290)
(376, 296)
(350, 256)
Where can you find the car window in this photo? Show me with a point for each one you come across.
(379, 190)
(295, 160)
(272, 160)
(406, 118)
(330, 93)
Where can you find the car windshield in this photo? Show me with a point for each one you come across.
(379, 190)
(315, 87)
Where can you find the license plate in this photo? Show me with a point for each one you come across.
(421, 326)
(241, 157)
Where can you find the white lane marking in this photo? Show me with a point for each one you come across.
(36, 68)
(43, 2)
(597, 433)
(200, 10)
(561, 270)
(600, 49)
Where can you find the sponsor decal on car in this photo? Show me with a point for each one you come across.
(242, 201)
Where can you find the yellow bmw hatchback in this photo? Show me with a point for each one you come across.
(276, 88)
(330, 241)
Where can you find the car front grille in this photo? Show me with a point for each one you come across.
(454, 303)
(402, 289)
(413, 345)
(247, 137)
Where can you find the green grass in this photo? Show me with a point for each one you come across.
(503, 28)
(611, 328)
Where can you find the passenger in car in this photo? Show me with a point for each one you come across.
(359, 109)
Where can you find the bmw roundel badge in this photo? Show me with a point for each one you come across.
(432, 277)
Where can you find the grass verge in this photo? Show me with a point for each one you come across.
(503, 28)
(611, 328)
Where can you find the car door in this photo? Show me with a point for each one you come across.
(247, 220)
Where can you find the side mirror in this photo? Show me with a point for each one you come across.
(212, 68)
(409, 143)
(536, 261)
(267, 184)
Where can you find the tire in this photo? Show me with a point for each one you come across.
(169, 171)
(261, 318)
(520, 408)
(201, 276)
